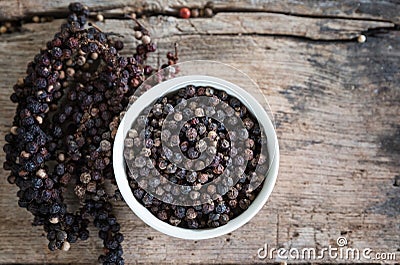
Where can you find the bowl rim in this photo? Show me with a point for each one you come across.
(165, 88)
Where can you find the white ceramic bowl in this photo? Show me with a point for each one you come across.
(166, 88)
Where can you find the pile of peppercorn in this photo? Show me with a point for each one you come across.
(148, 160)
(68, 112)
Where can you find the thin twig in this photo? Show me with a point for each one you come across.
(95, 26)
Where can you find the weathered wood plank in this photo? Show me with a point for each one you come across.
(265, 23)
(387, 10)
(247, 23)
(337, 107)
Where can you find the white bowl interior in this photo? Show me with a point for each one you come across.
(166, 88)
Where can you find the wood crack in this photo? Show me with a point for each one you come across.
(119, 12)
(232, 21)
(370, 32)
(228, 10)
(233, 25)
(268, 24)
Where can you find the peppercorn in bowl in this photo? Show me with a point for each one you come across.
(196, 156)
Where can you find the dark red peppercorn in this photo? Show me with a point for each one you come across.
(119, 45)
(184, 12)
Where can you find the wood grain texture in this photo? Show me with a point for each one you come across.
(387, 10)
(245, 24)
(265, 24)
(337, 109)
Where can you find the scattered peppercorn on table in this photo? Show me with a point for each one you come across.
(331, 74)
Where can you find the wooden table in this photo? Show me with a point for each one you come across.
(337, 108)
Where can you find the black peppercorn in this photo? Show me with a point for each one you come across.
(65, 73)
